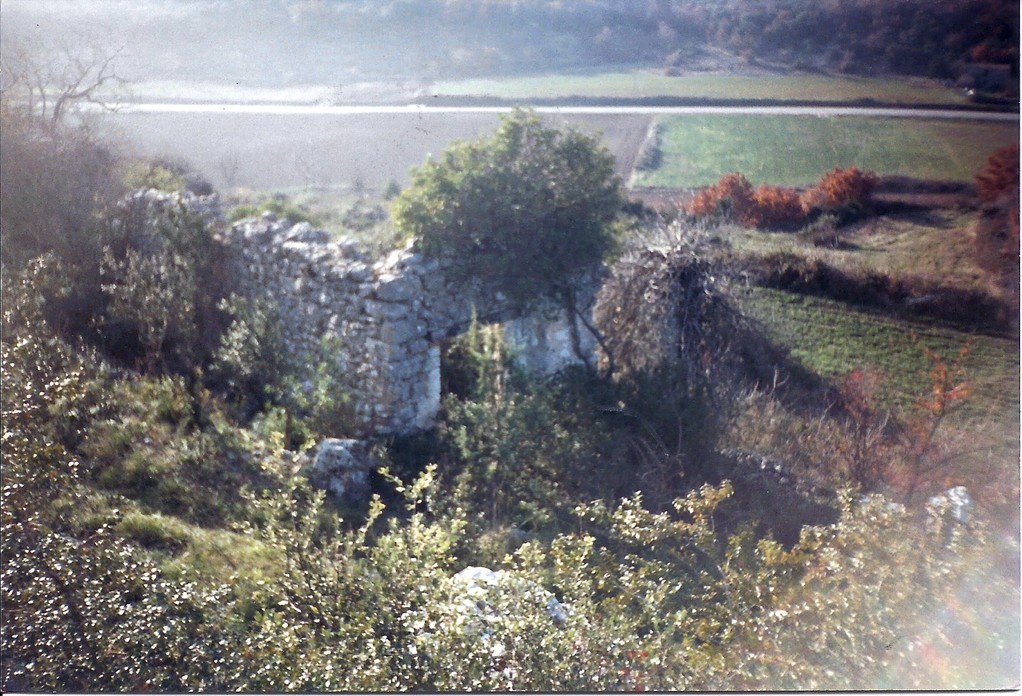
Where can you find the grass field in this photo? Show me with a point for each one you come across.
(833, 338)
(981, 440)
(796, 150)
(270, 151)
(648, 83)
(936, 245)
(181, 91)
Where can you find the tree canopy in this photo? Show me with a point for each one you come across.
(526, 211)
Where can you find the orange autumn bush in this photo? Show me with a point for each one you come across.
(775, 206)
(780, 206)
(732, 194)
(840, 188)
(998, 187)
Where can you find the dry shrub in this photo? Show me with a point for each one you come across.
(731, 195)
(1000, 175)
(843, 191)
(840, 188)
(997, 232)
(685, 356)
(906, 295)
(775, 207)
(663, 307)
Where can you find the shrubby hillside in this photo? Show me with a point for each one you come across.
(707, 515)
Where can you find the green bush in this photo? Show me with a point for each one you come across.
(164, 275)
(278, 204)
(255, 367)
(515, 452)
(142, 174)
(54, 185)
(526, 213)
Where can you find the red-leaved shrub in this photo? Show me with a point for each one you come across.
(839, 188)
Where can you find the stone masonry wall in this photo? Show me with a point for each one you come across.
(379, 323)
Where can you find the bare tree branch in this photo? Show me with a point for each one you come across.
(38, 85)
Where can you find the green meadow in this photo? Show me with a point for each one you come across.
(649, 83)
(795, 150)
(834, 338)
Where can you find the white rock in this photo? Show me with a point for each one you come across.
(342, 468)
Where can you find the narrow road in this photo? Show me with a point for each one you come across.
(422, 109)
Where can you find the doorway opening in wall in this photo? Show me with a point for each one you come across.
(473, 361)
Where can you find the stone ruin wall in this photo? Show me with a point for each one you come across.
(380, 322)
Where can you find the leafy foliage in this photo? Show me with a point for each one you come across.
(1000, 175)
(53, 187)
(657, 601)
(731, 196)
(525, 211)
(163, 273)
(998, 186)
(775, 206)
(278, 204)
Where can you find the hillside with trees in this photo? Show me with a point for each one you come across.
(160, 530)
(714, 498)
(444, 39)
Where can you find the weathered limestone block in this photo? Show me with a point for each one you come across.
(398, 332)
(386, 311)
(543, 343)
(427, 397)
(342, 467)
(304, 232)
(396, 288)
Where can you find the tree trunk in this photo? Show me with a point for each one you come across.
(575, 315)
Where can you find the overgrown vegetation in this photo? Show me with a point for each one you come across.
(361, 218)
(102, 590)
(710, 515)
(528, 212)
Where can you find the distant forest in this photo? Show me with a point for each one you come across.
(338, 41)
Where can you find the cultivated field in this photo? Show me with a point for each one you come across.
(834, 338)
(796, 150)
(650, 83)
(342, 152)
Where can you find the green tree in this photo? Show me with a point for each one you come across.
(165, 275)
(527, 211)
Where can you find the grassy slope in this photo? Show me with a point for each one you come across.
(834, 338)
(935, 245)
(645, 83)
(982, 438)
(697, 150)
